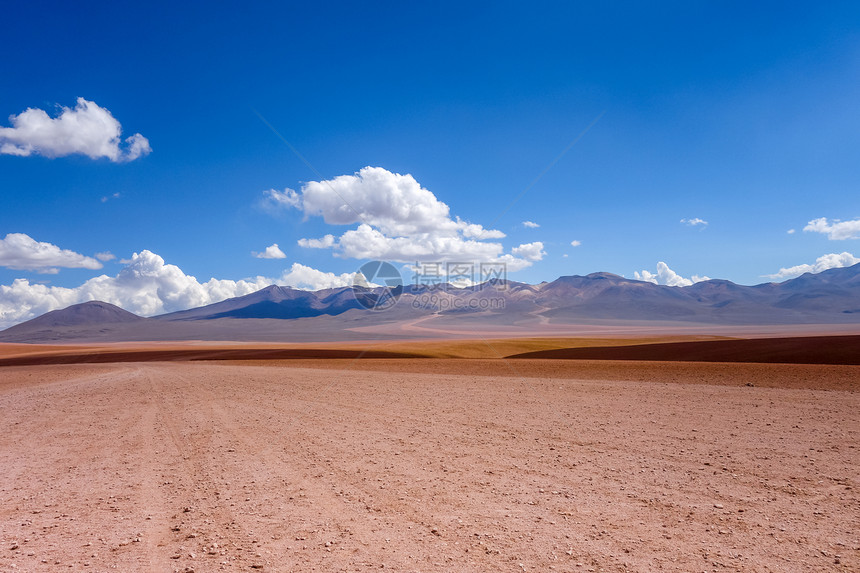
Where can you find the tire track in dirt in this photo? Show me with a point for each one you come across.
(287, 496)
(203, 527)
(93, 441)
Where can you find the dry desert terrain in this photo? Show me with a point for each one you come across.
(428, 464)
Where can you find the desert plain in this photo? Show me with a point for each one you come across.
(429, 456)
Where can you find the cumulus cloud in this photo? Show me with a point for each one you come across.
(530, 224)
(366, 242)
(666, 276)
(393, 203)
(474, 231)
(822, 263)
(105, 256)
(21, 252)
(836, 230)
(575, 243)
(695, 222)
(148, 286)
(88, 129)
(529, 251)
(397, 220)
(307, 278)
(790, 231)
(271, 252)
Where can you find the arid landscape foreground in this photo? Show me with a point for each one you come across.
(461, 461)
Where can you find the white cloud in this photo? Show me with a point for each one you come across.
(790, 231)
(138, 146)
(694, 222)
(21, 252)
(530, 251)
(666, 276)
(22, 300)
(835, 231)
(88, 129)
(326, 242)
(271, 252)
(107, 198)
(148, 286)
(398, 220)
(575, 243)
(822, 263)
(274, 200)
(105, 256)
(530, 224)
(395, 204)
(365, 242)
(474, 231)
(307, 278)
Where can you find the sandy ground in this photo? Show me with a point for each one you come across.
(219, 466)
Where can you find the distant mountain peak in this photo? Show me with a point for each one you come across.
(603, 275)
(89, 313)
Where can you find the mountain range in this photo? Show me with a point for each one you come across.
(278, 313)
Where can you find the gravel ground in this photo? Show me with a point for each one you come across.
(276, 467)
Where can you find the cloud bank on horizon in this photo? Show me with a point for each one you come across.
(88, 129)
(822, 263)
(666, 276)
(148, 286)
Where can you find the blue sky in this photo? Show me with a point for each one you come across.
(743, 116)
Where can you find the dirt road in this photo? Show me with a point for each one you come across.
(209, 467)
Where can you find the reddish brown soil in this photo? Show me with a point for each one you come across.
(786, 350)
(358, 465)
(796, 350)
(194, 354)
(793, 376)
